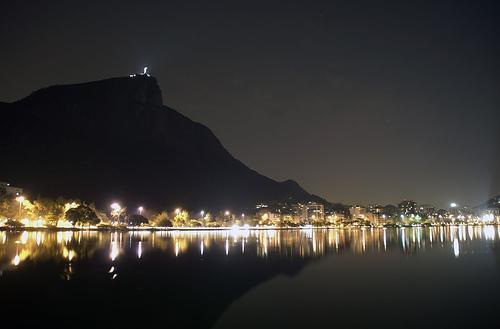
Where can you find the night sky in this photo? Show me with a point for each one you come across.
(359, 102)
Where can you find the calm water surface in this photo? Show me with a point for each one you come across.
(388, 278)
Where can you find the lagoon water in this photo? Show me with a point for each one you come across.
(440, 277)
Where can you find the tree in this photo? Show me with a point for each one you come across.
(82, 214)
(181, 218)
(137, 220)
(161, 219)
(51, 211)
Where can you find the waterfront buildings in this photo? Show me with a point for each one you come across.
(310, 212)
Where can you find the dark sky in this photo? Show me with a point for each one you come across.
(358, 101)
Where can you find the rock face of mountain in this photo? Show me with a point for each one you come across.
(115, 140)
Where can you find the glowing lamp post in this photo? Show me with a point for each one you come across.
(20, 199)
(140, 209)
(115, 210)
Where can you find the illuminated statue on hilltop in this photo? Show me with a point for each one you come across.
(144, 73)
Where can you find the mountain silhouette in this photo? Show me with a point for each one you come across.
(115, 140)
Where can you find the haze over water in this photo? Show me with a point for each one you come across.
(447, 277)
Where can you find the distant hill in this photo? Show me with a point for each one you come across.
(115, 140)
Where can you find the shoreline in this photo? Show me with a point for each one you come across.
(227, 228)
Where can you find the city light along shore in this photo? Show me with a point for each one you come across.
(18, 212)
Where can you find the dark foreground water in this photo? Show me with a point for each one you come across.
(394, 278)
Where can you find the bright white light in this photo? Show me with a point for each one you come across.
(114, 251)
(488, 218)
(246, 227)
(227, 213)
(453, 205)
(116, 206)
(140, 210)
(20, 199)
(139, 250)
(16, 260)
(145, 70)
(178, 211)
(456, 248)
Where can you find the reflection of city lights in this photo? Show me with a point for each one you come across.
(456, 248)
(24, 237)
(489, 232)
(139, 250)
(16, 260)
(259, 242)
(114, 250)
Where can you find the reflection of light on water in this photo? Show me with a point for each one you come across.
(114, 250)
(489, 232)
(456, 248)
(385, 238)
(24, 237)
(176, 248)
(262, 243)
(363, 240)
(471, 232)
(16, 260)
(69, 254)
(337, 240)
(39, 238)
(308, 231)
(403, 238)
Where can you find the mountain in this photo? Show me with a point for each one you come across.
(115, 140)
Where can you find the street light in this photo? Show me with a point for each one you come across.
(116, 209)
(453, 205)
(140, 210)
(202, 213)
(20, 199)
